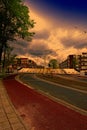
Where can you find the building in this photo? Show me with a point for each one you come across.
(84, 62)
(77, 62)
(32, 64)
(72, 62)
(24, 63)
(64, 64)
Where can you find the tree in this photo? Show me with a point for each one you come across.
(8, 57)
(53, 63)
(14, 22)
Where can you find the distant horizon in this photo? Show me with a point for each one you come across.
(50, 59)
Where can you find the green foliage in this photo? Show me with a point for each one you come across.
(53, 64)
(14, 22)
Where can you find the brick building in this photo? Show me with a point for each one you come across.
(78, 62)
(83, 62)
(23, 63)
(72, 61)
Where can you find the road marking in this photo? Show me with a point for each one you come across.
(57, 84)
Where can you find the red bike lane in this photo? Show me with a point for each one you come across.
(40, 112)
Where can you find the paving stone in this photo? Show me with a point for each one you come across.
(17, 126)
(9, 119)
(6, 103)
(5, 125)
(14, 120)
(9, 109)
(7, 128)
(21, 129)
(2, 113)
(11, 115)
(3, 119)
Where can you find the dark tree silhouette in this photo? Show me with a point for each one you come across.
(14, 22)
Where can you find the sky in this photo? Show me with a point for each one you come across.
(60, 30)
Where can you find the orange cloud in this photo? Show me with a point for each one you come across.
(41, 23)
(59, 39)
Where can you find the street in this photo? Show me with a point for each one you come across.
(57, 91)
(39, 111)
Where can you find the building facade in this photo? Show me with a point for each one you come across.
(64, 64)
(84, 62)
(23, 63)
(73, 62)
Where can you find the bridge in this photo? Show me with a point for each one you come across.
(48, 71)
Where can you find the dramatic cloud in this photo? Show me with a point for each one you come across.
(41, 23)
(78, 44)
(44, 34)
(22, 43)
(51, 41)
(20, 46)
(75, 39)
(40, 49)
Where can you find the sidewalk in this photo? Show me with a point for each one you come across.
(9, 118)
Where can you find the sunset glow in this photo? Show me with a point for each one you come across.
(57, 35)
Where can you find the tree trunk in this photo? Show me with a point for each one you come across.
(1, 50)
(4, 58)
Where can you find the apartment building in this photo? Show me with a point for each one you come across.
(84, 62)
(78, 62)
(23, 63)
(72, 61)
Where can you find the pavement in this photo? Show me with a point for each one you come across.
(9, 117)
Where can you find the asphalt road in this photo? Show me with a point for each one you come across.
(39, 111)
(70, 96)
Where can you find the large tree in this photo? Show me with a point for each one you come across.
(14, 22)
